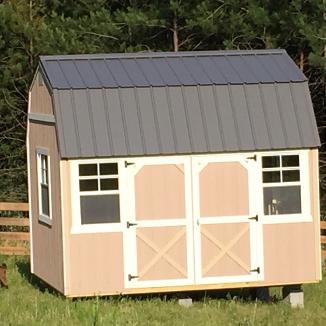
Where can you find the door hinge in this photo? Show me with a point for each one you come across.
(128, 163)
(256, 270)
(254, 218)
(131, 277)
(129, 224)
(252, 158)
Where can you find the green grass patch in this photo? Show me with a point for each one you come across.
(28, 302)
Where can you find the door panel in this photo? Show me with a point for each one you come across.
(223, 189)
(159, 234)
(225, 233)
(160, 192)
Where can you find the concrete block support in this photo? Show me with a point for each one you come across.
(185, 302)
(293, 294)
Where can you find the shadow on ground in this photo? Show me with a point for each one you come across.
(24, 269)
(244, 294)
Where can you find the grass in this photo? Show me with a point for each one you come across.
(29, 302)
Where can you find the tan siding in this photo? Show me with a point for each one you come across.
(314, 198)
(93, 262)
(96, 264)
(40, 99)
(47, 240)
(289, 253)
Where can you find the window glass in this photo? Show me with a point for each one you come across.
(271, 161)
(108, 168)
(279, 197)
(291, 175)
(88, 185)
(45, 200)
(87, 169)
(109, 184)
(100, 209)
(271, 176)
(282, 200)
(290, 160)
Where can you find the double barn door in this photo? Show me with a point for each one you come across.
(191, 221)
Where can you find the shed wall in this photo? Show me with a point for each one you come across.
(94, 261)
(46, 240)
(292, 250)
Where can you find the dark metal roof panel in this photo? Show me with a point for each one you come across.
(170, 69)
(181, 120)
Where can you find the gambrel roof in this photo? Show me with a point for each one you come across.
(177, 103)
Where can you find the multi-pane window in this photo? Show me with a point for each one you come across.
(281, 184)
(99, 193)
(43, 185)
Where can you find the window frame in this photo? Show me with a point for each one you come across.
(304, 183)
(77, 227)
(40, 151)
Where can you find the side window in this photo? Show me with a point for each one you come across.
(44, 185)
(281, 184)
(99, 193)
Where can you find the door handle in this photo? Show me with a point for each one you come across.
(129, 224)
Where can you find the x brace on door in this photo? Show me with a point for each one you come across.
(225, 249)
(162, 253)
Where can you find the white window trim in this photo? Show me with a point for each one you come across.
(77, 227)
(305, 215)
(42, 217)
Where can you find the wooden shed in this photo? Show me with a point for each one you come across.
(156, 172)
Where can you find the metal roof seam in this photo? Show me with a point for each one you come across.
(59, 124)
(267, 122)
(63, 74)
(92, 125)
(157, 127)
(203, 117)
(191, 142)
(252, 126)
(175, 74)
(285, 133)
(142, 136)
(107, 120)
(124, 123)
(74, 114)
(108, 68)
(174, 136)
(202, 67)
(80, 75)
(238, 138)
(296, 115)
(220, 128)
(137, 64)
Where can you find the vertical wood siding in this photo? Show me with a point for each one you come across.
(47, 240)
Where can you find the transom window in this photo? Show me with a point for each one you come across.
(281, 184)
(99, 193)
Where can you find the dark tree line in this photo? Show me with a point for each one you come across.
(29, 28)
